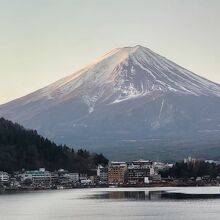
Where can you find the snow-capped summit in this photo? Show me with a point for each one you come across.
(128, 72)
(130, 92)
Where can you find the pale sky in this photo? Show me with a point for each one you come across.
(42, 41)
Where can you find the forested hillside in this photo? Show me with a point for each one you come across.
(22, 148)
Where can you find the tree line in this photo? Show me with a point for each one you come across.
(192, 169)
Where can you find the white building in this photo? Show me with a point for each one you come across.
(37, 176)
(102, 173)
(4, 177)
(162, 166)
(73, 177)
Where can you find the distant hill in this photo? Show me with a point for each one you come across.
(21, 148)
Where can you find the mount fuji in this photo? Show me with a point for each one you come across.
(130, 103)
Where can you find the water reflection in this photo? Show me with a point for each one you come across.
(127, 195)
(150, 195)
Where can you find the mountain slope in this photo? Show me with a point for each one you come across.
(128, 95)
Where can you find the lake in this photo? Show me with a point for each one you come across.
(113, 204)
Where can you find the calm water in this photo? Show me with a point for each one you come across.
(112, 204)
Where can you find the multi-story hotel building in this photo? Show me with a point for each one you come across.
(138, 172)
(117, 172)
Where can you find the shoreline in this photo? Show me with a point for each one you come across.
(151, 186)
